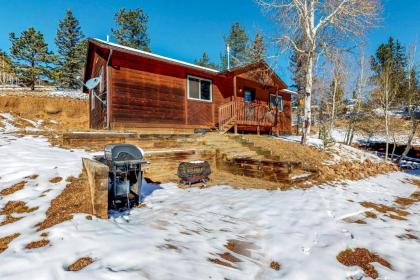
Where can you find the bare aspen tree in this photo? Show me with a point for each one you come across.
(336, 89)
(361, 82)
(411, 99)
(324, 23)
(385, 96)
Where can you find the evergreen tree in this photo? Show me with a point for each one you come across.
(30, 56)
(257, 49)
(391, 55)
(204, 61)
(71, 50)
(297, 65)
(238, 41)
(132, 29)
(6, 68)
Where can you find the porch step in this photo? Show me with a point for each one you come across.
(226, 127)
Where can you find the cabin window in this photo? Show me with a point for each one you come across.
(278, 104)
(249, 95)
(199, 88)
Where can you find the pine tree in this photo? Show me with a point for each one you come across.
(6, 68)
(204, 61)
(71, 50)
(132, 29)
(31, 57)
(238, 41)
(297, 65)
(257, 49)
(391, 56)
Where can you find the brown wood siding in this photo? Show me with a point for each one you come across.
(97, 112)
(145, 97)
(146, 92)
(150, 93)
(285, 118)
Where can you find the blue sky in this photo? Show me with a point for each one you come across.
(183, 29)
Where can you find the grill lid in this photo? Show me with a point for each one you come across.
(122, 152)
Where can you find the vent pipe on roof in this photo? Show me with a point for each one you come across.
(107, 38)
(228, 56)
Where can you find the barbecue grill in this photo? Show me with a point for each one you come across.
(125, 163)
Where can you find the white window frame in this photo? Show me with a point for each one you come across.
(279, 108)
(200, 79)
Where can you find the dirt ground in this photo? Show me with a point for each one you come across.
(59, 114)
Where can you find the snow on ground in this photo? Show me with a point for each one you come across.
(44, 91)
(338, 151)
(179, 230)
(339, 134)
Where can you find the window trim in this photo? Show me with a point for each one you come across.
(253, 92)
(200, 79)
(279, 109)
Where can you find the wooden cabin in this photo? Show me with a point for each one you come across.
(139, 89)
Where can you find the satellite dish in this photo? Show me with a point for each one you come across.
(93, 83)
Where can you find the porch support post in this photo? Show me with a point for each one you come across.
(258, 130)
(234, 100)
(277, 112)
(234, 86)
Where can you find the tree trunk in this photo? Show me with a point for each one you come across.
(394, 147)
(333, 108)
(387, 134)
(414, 124)
(307, 106)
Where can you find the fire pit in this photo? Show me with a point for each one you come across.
(192, 172)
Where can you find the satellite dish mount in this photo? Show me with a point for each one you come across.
(91, 84)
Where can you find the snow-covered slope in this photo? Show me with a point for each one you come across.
(179, 230)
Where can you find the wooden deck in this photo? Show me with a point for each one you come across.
(239, 113)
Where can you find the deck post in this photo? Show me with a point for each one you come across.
(258, 130)
(236, 128)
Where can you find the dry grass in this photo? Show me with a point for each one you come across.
(389, 211)
(275, 265)
(229, 257)
(12, 189)
(408, 236)
(80, 264)
(5, 241)
(377, 125)
(10, 219)
(75, 198)
(69, 113)
(16, 207)
(363, 258)
(220, 262)
(37, 244)
(289, 151)
(370, 214)
(32, 177)
(414, 182)
(353, 170)
(55, 180)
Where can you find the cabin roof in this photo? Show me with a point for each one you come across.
(235, 70)
(151, 55)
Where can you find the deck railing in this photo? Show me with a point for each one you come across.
(245, 113)
(248, 113)
(227, 114)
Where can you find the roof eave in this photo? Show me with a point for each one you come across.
(145, 54)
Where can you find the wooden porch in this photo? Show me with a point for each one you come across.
(236, 112)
